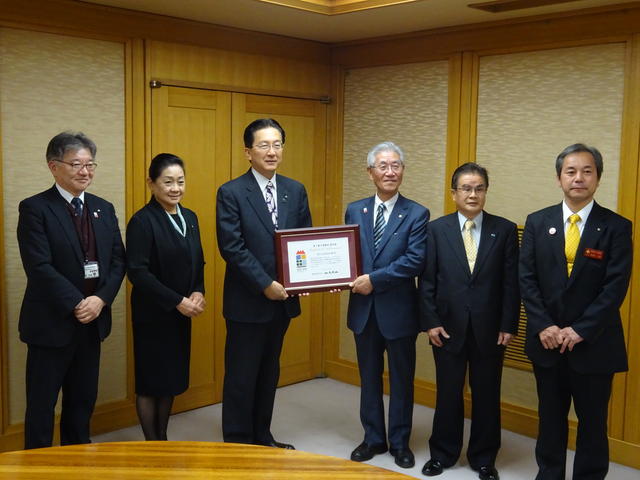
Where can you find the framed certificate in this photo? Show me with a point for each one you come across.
(318, 259)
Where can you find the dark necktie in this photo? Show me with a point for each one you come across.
(271, 203)
(77, 206)
(378, 228)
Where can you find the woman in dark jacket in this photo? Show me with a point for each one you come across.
(165, 264)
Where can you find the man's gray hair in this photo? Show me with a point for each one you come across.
(384, 147)
(69, 141)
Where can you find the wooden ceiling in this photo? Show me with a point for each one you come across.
(334, 21)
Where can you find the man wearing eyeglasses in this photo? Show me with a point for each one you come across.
(383, 309)
(73, 257)
(256, 307)
(470, 302)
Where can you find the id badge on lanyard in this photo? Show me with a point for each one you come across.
(91, 270)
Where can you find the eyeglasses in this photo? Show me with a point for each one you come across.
(264, 146)
(466, 189)
(383, 167)
(77, 166)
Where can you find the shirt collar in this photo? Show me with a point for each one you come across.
(69, 196)
(262, 180)
(389, 204)
(584, 213)
(477, 220)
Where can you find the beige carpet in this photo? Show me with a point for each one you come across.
(321, 416)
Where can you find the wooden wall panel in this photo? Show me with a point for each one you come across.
(466, 47)
(33, 111)
(237, 70)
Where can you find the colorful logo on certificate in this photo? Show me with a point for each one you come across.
(301, 259)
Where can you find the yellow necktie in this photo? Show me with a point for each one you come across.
(571, 241)
(469, 243)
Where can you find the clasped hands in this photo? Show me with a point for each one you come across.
(192, 306)
(88, 309)
(554, 337)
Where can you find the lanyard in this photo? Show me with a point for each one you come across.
(182, 231)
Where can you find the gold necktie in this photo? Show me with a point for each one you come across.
(571, 241)
(469, 243)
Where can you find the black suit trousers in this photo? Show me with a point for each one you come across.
(401, 353)
(252, 371)
(557, 386)
(485, 374)
(72, 368)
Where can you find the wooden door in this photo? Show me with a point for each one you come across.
(195, 125)
(304, 122)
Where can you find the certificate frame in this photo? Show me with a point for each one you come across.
(283, 239)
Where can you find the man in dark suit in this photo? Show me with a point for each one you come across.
(257, 308)
(383, 309)
(73, 257)
(575, 266)
(469, 307)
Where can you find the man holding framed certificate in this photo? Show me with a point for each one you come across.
(256, 307)
(383, 310)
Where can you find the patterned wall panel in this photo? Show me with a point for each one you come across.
(531, 105)
(406, 104)
(50, 83)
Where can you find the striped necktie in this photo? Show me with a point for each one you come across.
(77, 206)
(378, 228)
(271, 203)
(571, 241)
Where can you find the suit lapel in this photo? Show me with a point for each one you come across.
(488, 237)
(256, 200)
(554, 233)
(58, 206)
(100, 228)
(282, 205)
(397, 216)
(591, 234)
(454, 234)
(365, 215)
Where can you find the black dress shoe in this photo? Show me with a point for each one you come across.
(275, 444)
(488, 473)
(432, 468)
(403, 456)
(364, 452)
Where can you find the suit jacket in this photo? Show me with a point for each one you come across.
(589, 300)
(452, 297)
(246, 241)
(392, 268)
(54, 264)
(157, 260)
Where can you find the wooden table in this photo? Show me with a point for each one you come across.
(181, 460)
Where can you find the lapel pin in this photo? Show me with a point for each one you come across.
(95, 214)
(552, 231)
(400, 216)
(364, 210)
